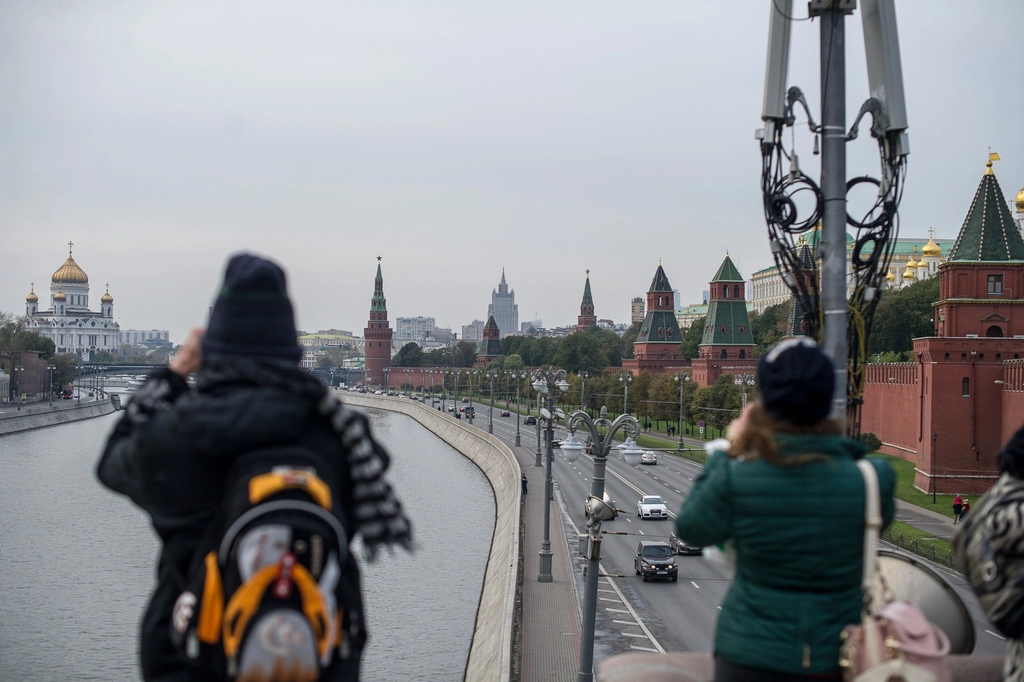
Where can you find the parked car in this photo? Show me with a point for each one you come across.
(655, 560)
(530, 421)
(651, 507)
(649, 457)
(506, 413)
(681, 546)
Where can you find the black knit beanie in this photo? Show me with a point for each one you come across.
(796, 380)
(252, 315)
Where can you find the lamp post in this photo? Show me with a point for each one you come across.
(683, 378)
(540, 461)
(51, 368)
(599, 511)
(519, 375)
(626, 378)
(584, 375)
(492, 375)
(744, 380)
(17, 378)
(545, 382)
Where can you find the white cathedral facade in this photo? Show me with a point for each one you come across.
(69, 322)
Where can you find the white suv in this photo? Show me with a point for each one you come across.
(651, 507)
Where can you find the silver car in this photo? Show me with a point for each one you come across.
(651, 507)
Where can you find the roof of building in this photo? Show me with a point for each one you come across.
(659, 326)
(660, 281)
(69, 272)
(588, 299)
(378, 304)
(989, 232)
(728, 324)
(727, 272)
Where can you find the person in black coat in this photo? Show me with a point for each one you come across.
(174, 446)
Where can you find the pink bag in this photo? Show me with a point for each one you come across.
(894, 641)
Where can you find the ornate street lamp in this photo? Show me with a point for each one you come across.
(683, 378)
(598, 510)
(545, 383)
(492, 375)
(626, 378)
(744, 380)
(520, 375)
(584, 375)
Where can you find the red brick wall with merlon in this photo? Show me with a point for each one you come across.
(1013, 397)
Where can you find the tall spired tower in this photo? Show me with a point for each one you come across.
(587, 319)
(377, 335)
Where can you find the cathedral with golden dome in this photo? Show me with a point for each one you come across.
(69, 322)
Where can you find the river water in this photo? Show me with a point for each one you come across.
(77, 562)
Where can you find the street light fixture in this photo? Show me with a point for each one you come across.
(626, 378)
(519, 375)
(492, 375)
(545, 383)
(683, 378)
(584, 375)
(599, 511)
(744, 380)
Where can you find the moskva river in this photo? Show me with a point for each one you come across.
(77, 562)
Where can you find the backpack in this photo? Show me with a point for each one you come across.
(262, 592)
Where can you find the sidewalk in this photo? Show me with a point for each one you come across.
(550, 638)
(939, 525)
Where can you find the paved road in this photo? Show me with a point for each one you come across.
(668, 616)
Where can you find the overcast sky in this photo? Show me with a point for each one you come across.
(451, 138)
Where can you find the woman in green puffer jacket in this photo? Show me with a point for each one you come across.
(786, 493)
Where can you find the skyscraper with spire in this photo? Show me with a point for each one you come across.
(587, 319)
(377, 334)
(504, 309)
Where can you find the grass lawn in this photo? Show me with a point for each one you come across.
(906, 491)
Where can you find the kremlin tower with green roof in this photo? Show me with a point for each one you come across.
(378, 333)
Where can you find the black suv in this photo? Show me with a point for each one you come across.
(529, 421)
(655, 560)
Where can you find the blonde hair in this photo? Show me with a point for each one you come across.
(756, 436)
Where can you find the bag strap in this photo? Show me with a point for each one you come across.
(872, 524)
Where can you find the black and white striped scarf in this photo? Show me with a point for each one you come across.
(379, 519)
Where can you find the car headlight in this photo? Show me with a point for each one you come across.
(671, 567)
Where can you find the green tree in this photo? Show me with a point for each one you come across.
(717, 404)
(580, 351)
(65, 370)
(770, 326)
(628, 339)
(903, 315)
(102, 357)
(410, 355)
(15, 336)
(692, 339)
(464, 354)
(513, 363)
(438, 357)
(324, 362)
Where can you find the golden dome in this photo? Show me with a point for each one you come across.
(59, 296)
(931, 248)
(32, 298)
(891, 277)
(912, 264)
(1020, 201)
(107, 298)
(70, 273)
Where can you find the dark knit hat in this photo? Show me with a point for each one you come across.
(796, 380)
(252, 315)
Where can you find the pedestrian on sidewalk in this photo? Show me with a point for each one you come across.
(958, 508)
(787, 477)
(967, 508)
(524, 481)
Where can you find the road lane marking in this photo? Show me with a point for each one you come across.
(608, 608)
(680, 492)
(624, 622)
(607, 599)
(995, 635)
(630, 634)
(639, 622)
(641, 532)
(643, 648)
(695, 584)
(612, 591)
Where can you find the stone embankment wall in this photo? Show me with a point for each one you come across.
(30, 417)
(490, 653)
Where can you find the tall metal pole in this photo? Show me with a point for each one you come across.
(833, 192)
(545, 545)
(490, 414)
(540, 462)
(518, 413)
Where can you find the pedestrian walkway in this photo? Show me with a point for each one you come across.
(551, 630)
(927, 520)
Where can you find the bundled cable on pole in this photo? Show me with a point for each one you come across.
(795, 241)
